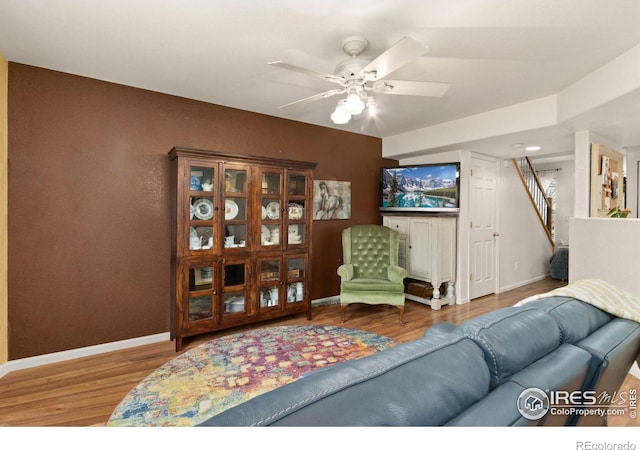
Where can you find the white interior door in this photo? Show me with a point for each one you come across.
(482, 214)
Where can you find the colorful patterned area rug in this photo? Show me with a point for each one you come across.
(227, 371)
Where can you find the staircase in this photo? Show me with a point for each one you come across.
(537, 195)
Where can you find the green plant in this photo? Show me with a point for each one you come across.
(618, 213)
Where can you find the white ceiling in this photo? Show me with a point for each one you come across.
(495, 53)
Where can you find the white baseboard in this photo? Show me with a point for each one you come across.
(520, 284)
(50, 358)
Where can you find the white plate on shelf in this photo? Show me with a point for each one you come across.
(203, 209)
(296, 211)
(264, 213)
(273, 210)
(230, 209)
(234, 304)
(266, 234)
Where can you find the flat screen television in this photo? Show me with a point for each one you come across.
(421, 188)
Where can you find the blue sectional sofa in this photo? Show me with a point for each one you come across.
(553, 361)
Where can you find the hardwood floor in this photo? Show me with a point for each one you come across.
(85, 391)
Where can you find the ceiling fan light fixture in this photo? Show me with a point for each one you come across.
(354, 104)
(372, 106)
(340, 116)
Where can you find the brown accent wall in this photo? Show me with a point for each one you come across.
(4, 348)
(89, 222)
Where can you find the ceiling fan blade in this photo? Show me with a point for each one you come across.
(423, 88)
(316, 97)
(395, 57)
(313, 73)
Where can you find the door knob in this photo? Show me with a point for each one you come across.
(495, 233)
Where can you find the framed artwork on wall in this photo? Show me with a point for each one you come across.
(607, 184)
(203, 275)
(331, 200)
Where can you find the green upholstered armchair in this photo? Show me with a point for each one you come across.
(370, 273)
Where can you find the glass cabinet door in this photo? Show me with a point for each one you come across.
(202, 212)
(235, 206)
(296, 288)
(296, 209)
(269, 282)
(200, 304)
(272, 208)
(234, 289)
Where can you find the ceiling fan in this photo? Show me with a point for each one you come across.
(358, 77)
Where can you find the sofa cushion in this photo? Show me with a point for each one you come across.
(614, 347)
(498, 409)
(512, 338)
(564, 369)
(417, 383)
(575, 319)
(617, 336)
(372, 284)
(441, 328)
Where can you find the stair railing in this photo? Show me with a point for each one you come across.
(540, 201)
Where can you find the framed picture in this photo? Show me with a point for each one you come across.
(607, 187)
(331, 200)
(203, 275)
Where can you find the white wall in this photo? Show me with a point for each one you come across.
(582, 173)
(607, 249)
(633, 171)
(524, 249)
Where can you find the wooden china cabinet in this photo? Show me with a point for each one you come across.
(242, 240)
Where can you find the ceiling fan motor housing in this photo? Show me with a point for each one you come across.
(351, 68)
(354, 45)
